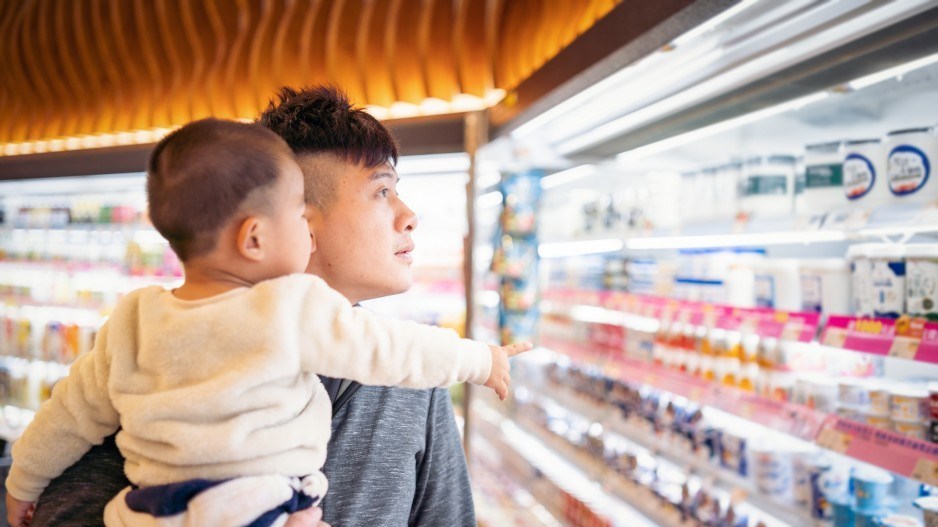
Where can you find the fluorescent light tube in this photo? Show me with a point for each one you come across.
(567, 176)
(559, 250)
(433, 164)
(889, 73)
(490, 199)
(734, 240)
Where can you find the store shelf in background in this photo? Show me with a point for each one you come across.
(645, 312)
(13, 421)
(611, 419)
(907, 338)
(840, 225)
(894, 452)
(570, 485)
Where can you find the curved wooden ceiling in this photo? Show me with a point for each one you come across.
(95, 73)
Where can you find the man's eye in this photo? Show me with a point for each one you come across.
(384, 192)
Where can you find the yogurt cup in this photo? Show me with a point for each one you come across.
(921, 280)
(861, 276)
(823, 173)
(825, 285)
(870, 488)
(864, 173)
(909, 404)
(887, 277)
(883, 422)
(854, 394)
(879, 398)
(933, 400)
(912, 156)
(914, 429)
(929, 507)
(897, 520)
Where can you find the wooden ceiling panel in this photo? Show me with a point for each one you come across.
(113, 72)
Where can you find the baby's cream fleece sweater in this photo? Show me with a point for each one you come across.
(227, 386)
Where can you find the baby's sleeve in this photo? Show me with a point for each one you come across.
(339, 340)
(77, 416)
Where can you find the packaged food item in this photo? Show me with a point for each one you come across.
(870, 487)
(914, 429)
(771, 468)
(854, 394)
(887, 268)
(909, 403)
(768, 186)
(823, 164)
(912, 154)
(825, 285)
(879, 397)
(896, 520)
(883, 422)
(777, 284)
(861, 277)
(921, 272)
(929, 507)
(865, 184)
(933, 400)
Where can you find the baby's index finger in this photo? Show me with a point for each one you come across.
(515, 349)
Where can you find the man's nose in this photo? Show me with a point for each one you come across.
(407, 220)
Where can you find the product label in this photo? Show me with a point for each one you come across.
(888, 281)
(909, 169)
(921, 281)
(766, 184)
(811, 293)
(765, 291)
(824, 176)
(859, 176)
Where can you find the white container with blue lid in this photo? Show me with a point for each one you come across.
(912, 154)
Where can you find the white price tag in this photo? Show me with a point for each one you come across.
(835, 337)
(832, 439)
(926, 471)
(904, 348)
(791, 332)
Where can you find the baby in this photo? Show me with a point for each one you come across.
(213, 385)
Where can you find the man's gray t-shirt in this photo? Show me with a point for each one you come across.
(395, 458)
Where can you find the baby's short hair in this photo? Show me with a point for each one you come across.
(201, 175)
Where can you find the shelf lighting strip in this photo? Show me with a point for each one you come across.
(734, 240)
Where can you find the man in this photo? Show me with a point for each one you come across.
(394, 457)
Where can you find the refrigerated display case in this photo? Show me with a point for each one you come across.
(737, 236)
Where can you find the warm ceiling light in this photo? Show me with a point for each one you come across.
(125, 138)
(142, 137)
(72, 143)
(379, 112)
(433, 105)
(57, 145)
(494, 96)
(401, 110)
(464, 102)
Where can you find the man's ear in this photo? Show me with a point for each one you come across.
(249, 239)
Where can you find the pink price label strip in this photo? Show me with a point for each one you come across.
(900, 454)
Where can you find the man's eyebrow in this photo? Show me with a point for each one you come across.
(385, 174)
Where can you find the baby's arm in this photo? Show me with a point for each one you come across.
(341, 341)
(78, 415)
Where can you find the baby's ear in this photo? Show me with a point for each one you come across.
(249, 239)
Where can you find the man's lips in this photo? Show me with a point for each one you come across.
(405, 252)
